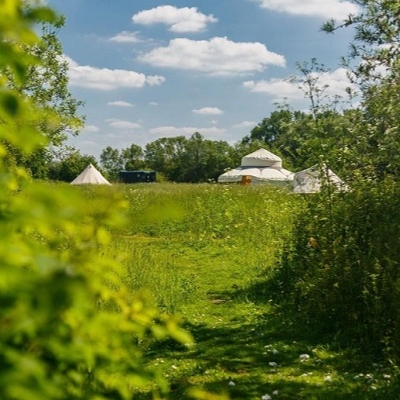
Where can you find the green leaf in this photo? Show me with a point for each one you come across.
(10, 103)
(42, 14)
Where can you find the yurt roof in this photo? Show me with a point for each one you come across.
(261, 158)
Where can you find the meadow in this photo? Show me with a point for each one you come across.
(204, 253)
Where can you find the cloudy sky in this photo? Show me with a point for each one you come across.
(148, 69)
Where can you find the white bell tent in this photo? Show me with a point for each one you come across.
(311, 180)
(90, 175)
(261, 166)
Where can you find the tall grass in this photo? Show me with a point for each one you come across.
(216, 255)
(208, 212)
(341, 274)
(237, 228)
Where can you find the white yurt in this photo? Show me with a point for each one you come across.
(310, 180)
(90, 175)
(260, 166)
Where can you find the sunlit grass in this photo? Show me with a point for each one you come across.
(203, 252)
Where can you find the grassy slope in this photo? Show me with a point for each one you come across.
(204, 252)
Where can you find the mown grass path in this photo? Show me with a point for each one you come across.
(246, 349)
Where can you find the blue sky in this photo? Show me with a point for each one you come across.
(148, 69)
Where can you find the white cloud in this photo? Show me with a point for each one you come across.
(217, 56)
(125, 37)
(121, 124)
(153, 103)
(245, 124)
(108, 79)
(178, 19)
(90, 128)
(155, 80)
(276, 87)
(336, 9)
(208, 111)
(337, 82)
(172, 131)
(120, 103)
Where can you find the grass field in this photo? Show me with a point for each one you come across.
(204, 254)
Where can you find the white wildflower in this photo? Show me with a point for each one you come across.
(266, 397)
(275, 393)
(304, 357)
(231, 383)
(273, 364)
(386, 376)
(275, 351)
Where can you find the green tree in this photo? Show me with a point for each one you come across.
(133, 158)
(70, 166)
(164, 155)
(222, 157)
(46, 85)
(375, 48)
(189, 160)
(112, 162)
(375, 62)
(322, 135)
(270, 129)
(204, 160)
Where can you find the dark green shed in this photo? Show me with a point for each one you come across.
(137, 176)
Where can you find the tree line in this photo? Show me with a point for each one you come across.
(300, 138)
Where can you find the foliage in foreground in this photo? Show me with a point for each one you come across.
(69, 327)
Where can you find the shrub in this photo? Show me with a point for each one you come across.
(68, 325)
(340, 270)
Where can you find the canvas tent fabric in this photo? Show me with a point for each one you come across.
(261, 166)
(261, 158)
(310, 180)
(90, 175)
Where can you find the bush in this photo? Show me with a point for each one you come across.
(68, 324)
(340, 270)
